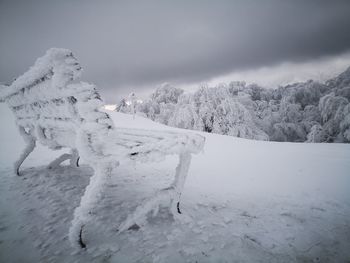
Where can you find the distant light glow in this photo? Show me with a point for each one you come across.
(110, 107)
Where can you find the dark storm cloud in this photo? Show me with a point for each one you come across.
(128, 44)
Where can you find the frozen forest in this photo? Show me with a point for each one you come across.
(302, 112)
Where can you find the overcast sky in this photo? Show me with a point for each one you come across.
(127, 46)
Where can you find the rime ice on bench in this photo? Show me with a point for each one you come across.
(54, 108)
(43, 104)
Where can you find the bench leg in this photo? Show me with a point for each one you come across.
(31, 142)
(73, 157)
(169, 196)
(55, 163)
(84, 212)
(74, 161)
(180, 179)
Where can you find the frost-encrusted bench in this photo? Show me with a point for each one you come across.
(53, 108)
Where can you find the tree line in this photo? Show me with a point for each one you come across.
(301, 112)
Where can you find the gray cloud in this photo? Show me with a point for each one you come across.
(129, 44)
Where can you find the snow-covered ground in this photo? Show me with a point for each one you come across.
(244, 201)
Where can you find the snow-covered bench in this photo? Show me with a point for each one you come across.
(53, 108)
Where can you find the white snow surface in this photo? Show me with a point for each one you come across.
(244, 201)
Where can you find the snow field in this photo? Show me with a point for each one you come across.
(244, 201)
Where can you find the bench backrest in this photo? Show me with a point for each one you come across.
(50, 104)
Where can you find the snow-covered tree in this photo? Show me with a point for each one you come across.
(343, 92)
(317, 134)
(166, 94)
(232, 118)
(185, 117)
(332, 113)
(344, 124)
(288, 132)
(122, 106)
(331, 106)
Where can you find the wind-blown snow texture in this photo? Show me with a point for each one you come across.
(301, 112)
(244, 201)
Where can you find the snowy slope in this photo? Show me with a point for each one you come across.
(244, 201)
